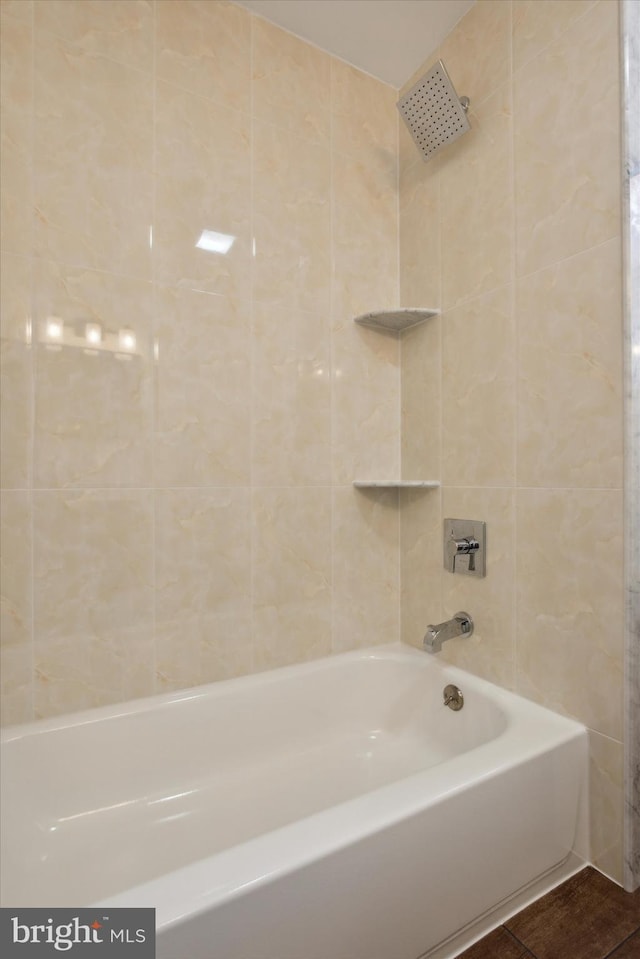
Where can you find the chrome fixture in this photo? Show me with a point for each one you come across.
(435, 636)
(465, 546)
(433, 111)
(453, 698)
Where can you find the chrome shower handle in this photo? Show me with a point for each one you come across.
(464, 543)
(460, 547)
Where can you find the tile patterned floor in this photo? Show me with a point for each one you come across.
(587, 917)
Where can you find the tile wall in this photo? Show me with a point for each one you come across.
(176, 497)
(513, 397)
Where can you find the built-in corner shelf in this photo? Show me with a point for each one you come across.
(395, 321)
(396, 484)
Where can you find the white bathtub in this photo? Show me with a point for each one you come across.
(334, 810)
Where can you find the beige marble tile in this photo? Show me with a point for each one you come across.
(291, 397)
(291, 575)
(202, 554)
(204, 184)
(138, 660)
(490, 652)
(366, 404)
(122, 31)
(93, 407)
(226, 648)
(366, 557)
(365, 118)
(570, 372)
(291, 83)
(16, 184)
(203, 649)
(478, 388)
(535, 25)
(16, 135)
(476, 204)
(92, 566)
(292, 220)
(408, 153)
(567, 143)
(16, 685)
(16, 66)
(421, 411)
(62, 683)
(420, 234)
(16, 367)
(203, 401)
(83, 672)
(477, 51)
(569, 603)
(365, 237)
(205, 47)
(119, 666)
(18, 9)
(15, 568)
(93, 150)
(178, 655)
(420, 563)
(606, 768)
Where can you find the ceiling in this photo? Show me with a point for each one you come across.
(389, 39)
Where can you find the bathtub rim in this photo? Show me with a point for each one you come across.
(398, 651)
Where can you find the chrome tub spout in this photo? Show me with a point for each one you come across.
(435, 636)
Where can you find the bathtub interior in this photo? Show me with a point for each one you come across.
(117, 798)
(153, 787)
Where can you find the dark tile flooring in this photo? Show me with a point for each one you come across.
(587, 917)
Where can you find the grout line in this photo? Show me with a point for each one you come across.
(537, 489)
(252, 352)
(203, 96)
(565, 259)
(154, 364)
(611, 739)
(33, 375)
(399, 358)
(77, 46)
(439, 584)
(518, 278)
(68, 490)
(332, 378)
(623, 942)
(516, 365)
(470, 300)
(529, 953)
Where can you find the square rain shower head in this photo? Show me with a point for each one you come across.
(433, 111)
